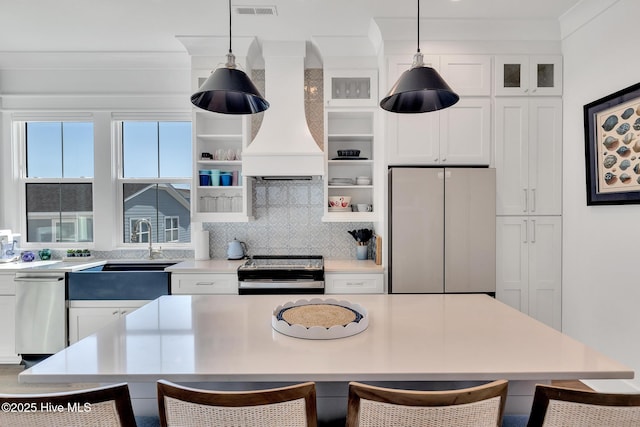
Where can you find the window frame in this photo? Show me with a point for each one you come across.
(120, 180)
(19, 136)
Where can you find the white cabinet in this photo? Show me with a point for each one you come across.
(218, 141)
(518, 75)
(87, 317)
(350, 88)
(8, 319)
(529, 156)
(529, 266)
(458, 135)
(204, 283)
(352, 129)
(360, 283)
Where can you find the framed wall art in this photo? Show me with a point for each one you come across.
(612, 145)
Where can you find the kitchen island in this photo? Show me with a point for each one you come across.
(227, 342)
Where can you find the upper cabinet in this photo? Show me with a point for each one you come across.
(519, 75)
(350, 88)
(458, 135)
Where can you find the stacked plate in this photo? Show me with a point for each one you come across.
(341, 181)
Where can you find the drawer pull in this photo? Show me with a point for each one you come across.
(205, 283)
(355, 283)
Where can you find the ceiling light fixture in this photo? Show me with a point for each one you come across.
(419, 89)
(229, 90)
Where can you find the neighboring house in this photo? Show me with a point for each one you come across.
(171, 217)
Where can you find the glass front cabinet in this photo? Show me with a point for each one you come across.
(350, 88)
(519, 75)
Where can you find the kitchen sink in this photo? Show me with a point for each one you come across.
(141, 266)
(120, 281)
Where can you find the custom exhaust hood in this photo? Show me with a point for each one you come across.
(284, 147)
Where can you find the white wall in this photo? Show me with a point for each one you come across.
(601, 286)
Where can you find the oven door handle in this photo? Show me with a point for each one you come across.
(280, 284)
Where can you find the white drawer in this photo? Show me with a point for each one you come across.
(204, 283)
(354, 283)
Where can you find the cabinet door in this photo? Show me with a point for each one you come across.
(350, 88)
(512, 156)
(545, 156)
(545, 270)
(467, 75)
(8, 335)
(512, 75)
(413, 138)
(512, 262)
(85, 321)
(469, 230)
(465, 133)
(545, 75)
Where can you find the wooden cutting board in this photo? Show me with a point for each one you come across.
(378, 250)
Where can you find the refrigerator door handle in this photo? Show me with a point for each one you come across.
(441, 175)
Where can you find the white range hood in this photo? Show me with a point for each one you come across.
(284, 147)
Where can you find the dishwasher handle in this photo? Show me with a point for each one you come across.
(38, 279)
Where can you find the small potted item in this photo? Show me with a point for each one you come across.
(85, 252)
(71, 253)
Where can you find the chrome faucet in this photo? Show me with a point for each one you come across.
(134, 236)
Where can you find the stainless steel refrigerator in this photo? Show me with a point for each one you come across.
(442, 230)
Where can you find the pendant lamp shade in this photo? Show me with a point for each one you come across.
(229, 90)
(419, 89)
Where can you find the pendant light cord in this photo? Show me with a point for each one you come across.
(418, 25)
(229, 26)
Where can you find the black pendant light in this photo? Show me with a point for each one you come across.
(419, 89)
(229, 90)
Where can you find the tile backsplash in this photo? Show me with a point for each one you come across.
(287, 222)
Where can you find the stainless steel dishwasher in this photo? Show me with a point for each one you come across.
(41, 315)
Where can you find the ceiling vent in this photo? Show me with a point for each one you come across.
(256, 10)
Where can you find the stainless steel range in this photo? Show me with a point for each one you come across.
(282, 274)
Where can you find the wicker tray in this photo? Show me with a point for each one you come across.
(319, 319)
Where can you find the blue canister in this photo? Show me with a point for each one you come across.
(225, 178)
(27, 256)
(205, 178)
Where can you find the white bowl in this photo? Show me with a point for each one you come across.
(363, 181)
(339, 201)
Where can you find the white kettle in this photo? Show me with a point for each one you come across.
(236, 249)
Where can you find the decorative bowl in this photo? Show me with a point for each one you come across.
(348, 153)
(339, 201)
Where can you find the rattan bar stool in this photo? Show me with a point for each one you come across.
(559, 406)
(292, 406)
(108, 406)
(481, 406)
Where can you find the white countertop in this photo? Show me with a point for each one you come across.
(49, 266)
(410, 337)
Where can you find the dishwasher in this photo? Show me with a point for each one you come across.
(41, 315)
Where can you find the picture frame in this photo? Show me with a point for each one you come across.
(612, 148)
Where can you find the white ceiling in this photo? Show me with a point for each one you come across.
(151, 25)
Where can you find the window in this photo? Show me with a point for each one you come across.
(58, 180)
(156, 180)
(171, 228)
